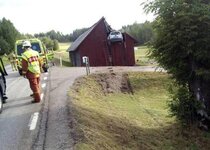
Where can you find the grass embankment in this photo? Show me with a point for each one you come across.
(61, 53)
(141, 56)
(138, 121)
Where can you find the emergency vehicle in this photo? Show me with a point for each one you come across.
(37, 45)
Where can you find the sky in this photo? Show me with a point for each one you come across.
(35, 16)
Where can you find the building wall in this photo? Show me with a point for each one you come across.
(130, 55)
(123, 53)
(95, 46)
(118, 54)
(75, 58)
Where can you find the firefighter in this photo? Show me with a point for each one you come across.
(31, 69)
(12, 59)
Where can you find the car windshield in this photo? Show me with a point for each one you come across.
(115, 33)
(34, 46)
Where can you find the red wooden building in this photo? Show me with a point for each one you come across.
(94, 44)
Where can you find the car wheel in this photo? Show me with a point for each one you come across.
(1, 103)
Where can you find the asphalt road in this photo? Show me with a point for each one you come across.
(19, 117)
(54, 130)
(25, 126)
(43, 126)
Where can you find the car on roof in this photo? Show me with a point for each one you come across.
(115, 36)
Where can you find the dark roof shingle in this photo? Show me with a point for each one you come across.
(81, 38)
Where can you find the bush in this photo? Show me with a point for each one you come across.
(183, 105)
(55, 45)
(49, 43)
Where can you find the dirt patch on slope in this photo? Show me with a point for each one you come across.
(109, 82)
(114, 83)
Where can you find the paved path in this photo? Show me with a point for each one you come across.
(55, 129)
(17, 130)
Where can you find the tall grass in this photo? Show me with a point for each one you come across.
(138, 121)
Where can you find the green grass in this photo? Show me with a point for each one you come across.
(136, 121)
(61, 53)
(141, 56)
(5, 60)
(64, 46)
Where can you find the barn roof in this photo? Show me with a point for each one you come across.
(135, 41)
(81, 38)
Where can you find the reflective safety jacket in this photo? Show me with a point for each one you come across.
(32, 58)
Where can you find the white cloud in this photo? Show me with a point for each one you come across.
(30, 16)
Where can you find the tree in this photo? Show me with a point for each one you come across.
(54, 36)
(48, 42)
(76, 33)
(40, 35)
(27, 36)
(55, 45)
(4, 46)
(8, 35)
(143, 32)
(182, 47)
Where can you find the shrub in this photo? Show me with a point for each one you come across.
(183, 105)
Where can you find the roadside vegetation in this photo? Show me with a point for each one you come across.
(142, 32)
(142, 56)
(182, 48)
(5, 60)
(62, 53)
(110, 113)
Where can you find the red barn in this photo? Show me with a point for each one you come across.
(94, 44)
